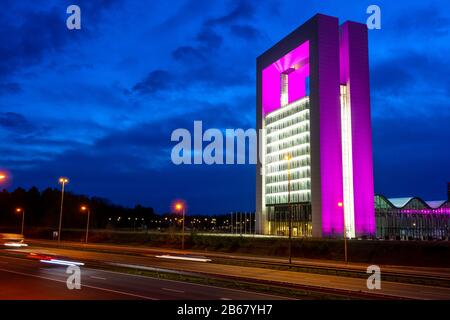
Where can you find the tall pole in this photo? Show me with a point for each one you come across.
(63, 182)
(182, 238)
(245, 222)
(231, 224)
(87, 225)
(23, 220)
(289, 208)
(345, 236)
(240, 223)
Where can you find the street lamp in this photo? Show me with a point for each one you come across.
(88, 210)
(20, 210)
(180, 207)
(3, 177)
(63, 181)
(341, 205)
(288, 158)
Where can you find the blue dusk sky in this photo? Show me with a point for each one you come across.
(98, 105)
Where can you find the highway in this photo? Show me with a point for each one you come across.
(141, 250)
(31, 279)
(244, 273)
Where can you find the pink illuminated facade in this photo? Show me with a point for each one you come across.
(313, 102)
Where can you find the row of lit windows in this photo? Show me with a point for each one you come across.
(302, 136)
(287, 147)
(301, 120)
(283, 177)
(293, 108)
(295, 165)
(273, 134)
(301, 162)
(302, 196)
(295, 185)
(296, 153)
(304, 149)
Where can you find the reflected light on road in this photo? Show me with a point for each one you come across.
(184, 258)
(63, 262)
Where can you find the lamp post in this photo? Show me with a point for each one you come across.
(341, 205)
(19, 210)
(288, 159)
(88, 210)
(63, 181)
(180, 207)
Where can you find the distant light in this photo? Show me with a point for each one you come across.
(340, 204)
(4, 176)
(63, 180)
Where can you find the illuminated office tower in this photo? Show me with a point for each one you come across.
(313, 102)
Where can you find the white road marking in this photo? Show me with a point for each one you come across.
(95, 277)
(173, 290)
(269, 296)
(225, 299)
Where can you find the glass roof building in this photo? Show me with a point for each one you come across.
(412, 218)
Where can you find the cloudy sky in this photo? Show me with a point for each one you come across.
(99, 104)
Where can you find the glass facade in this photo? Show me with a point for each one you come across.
(278, 218)
(288, 134)
(414, 219)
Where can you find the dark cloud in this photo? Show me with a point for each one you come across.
(30, 32)
(9, 87)
(157, 80)
(241, 10)
(429, 21)
(209, 38)
(14, 122)
(187, 53)
(207, 43)
(246, 32)
(405, 72)
(26, 41)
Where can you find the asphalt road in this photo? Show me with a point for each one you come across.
(31, 279)
(405, 270)
(392, 289)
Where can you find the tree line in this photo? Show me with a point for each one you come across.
(42, 209)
